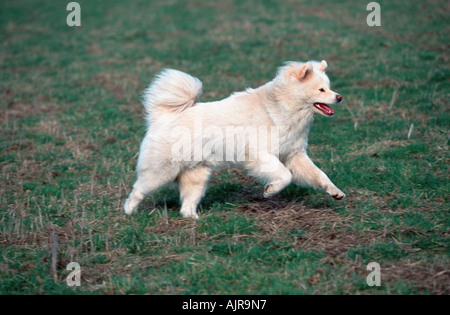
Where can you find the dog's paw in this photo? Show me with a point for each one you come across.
(339, 196)
(189, 212)
(193, 216)
(128, 208)
(269, 191)
(336, 193)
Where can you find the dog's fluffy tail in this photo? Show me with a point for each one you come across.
(172, 91)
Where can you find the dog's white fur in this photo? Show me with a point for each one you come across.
(286, 102)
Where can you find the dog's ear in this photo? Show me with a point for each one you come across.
(323, 66)
(305, 72)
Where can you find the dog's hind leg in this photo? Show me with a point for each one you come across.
(192, 184)
(148, 180)
(269, 168)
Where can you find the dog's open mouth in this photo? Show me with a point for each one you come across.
(324, 109)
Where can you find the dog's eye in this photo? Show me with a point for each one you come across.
(321, 90)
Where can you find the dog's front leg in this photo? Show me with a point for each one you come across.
(306, 173)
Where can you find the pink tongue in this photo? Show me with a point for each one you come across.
(326, 109)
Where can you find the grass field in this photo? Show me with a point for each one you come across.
(72, 122)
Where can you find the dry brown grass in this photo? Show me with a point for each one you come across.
(324, 229)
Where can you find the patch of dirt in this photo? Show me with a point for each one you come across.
(239, 176)
(120, 85)
(18, 107)
(327, 231)
(95, 49)
(324, 229)
(379, 147)
(425, 276)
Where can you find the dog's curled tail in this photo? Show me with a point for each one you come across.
(172, 91)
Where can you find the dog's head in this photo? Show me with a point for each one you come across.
(305, 86)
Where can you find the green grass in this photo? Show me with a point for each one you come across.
(72, 124)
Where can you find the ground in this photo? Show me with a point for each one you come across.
(72, 123)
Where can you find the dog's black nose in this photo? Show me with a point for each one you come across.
(339, 98)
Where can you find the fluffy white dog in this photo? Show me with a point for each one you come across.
(265, 129)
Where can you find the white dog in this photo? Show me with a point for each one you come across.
(186, 139)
